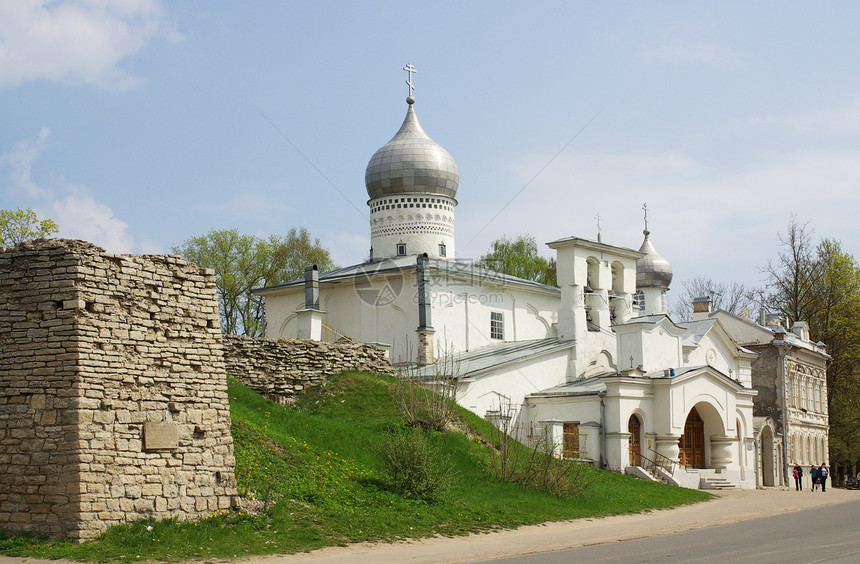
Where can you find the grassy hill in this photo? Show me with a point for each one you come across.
(318, 481)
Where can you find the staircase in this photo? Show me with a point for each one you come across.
(715, 482)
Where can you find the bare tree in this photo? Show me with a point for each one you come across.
(793, 278)
(732, 297)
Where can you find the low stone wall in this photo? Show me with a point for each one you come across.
(113, 396)
(279, 369)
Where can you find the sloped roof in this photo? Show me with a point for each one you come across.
(449, 269)
(473, 363)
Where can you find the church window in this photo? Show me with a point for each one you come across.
(497, 327)
(639, 301)
(442, 249)
(401, 250)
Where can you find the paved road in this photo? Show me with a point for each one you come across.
(824, 534)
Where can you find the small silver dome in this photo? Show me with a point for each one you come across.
(652, 270)
(411, 163)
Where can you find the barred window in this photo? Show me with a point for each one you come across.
(497, 326)
(401, 250)
(639, 301)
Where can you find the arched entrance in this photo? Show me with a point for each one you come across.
(691, 446)
(767, 472)
(635, 446)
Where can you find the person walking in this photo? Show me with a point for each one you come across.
(813, 476)
(822, 477)
(797, 472)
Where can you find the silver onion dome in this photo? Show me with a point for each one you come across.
(652, 270)
(411, 163)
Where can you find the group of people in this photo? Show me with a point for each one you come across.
(818, 474)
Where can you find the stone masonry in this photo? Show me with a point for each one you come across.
(280, 369)
(113, 397)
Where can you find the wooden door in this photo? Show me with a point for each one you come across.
(570, 434)
(692, 442)
(633, 427)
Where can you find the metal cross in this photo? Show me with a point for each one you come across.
(597, 217)
(410, 69)
(645, 207)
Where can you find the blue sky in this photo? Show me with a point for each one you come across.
(138, 124)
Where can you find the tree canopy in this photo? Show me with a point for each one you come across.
(243, 262)
(519, 257)
(23, 225)
(820, 284)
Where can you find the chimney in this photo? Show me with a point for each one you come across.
(425, 325)
(701, 308)
(312, 287)
(309, 319)
(773, 320)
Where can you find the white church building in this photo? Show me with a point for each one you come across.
(596, 364)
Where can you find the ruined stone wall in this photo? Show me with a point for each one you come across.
(278, 369)
(113, 398)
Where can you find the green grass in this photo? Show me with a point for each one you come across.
(313, 464)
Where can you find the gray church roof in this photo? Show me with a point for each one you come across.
(652, 270)
(473, 363)
(449, 271)
(411, 163)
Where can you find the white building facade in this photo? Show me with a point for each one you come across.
(596, 364)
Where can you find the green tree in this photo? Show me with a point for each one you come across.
(244, 262)
(519, 257)
(820, 284)
(23, 225)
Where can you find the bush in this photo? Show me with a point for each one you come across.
(414, 465)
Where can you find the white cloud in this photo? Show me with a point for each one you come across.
(81, 217)
(77, 213)
(21, 160)
(81, 41)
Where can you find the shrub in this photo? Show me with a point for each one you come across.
(414, 465)
(426, 398)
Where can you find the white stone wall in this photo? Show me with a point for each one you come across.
(460, 311)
